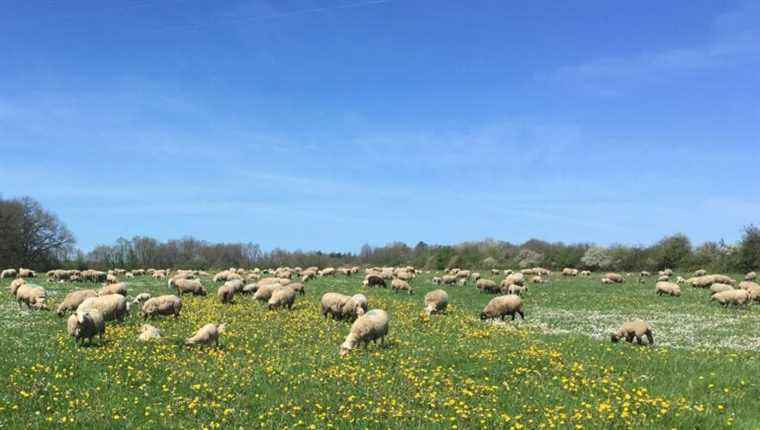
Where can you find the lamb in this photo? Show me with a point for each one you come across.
(8, 273)
(226, 293)
(634, 329)
(192, 286)
(148, 333)
(667, 288)
(486, 286)
(369, 327)
(731, 297)
(282, 296)
(26, 273)
(615, 277)
(340, 306)
(141, 298)
(161, 305)
(501, 306)
(31, 295)
(298, 287)
(206, 335)
(719, 288)
(750, 276)
(86, 324)
(436, 301)
(436, 280)
(264, 292)
(399, 285)
(73, 299)
(112, 306)
(117, 288)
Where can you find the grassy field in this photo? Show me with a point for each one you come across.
(281, 369)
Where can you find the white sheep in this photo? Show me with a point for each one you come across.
(282, 297)
(436, 301)
(206, 335)
(32, 296)
(501, 306)
(112, 306)
(86, 324)
(73, 299)
(369, 327)
(634, 329)
(162, 305)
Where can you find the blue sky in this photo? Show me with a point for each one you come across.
(328, 124)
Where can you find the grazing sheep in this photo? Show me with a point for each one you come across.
(112, 306)
(192, 286)
(486, 286)
(517, 290)
(399, 285)
(117, 288)
(585, 273)
(448, 279)
(26, 273)
(615, 277)
(606, 281)
(206, 335)
(361, 301)
(750, 276)
(501, 306)
(537, 279)
(369, 327)
(282, 297)
(236, 285)
(475, 276)
(15, 284)
(515, 278)
(633, 329)
(148, 333)
(8, 273)
(567, 271)
(723, 279)
(111, 279)
(748, 285)
(700, 272)
(250, 289)
(141, 298)
(225, 293)
(436, 301)
(719, 288)
(86, 324)
(731, 297)
(32, 296)
(298, 287)
(73, 299)
(340, 306)
(373, 280)
(264, 292)
(667, 288)
(161, 305)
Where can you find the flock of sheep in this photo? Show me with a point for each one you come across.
(91, 309)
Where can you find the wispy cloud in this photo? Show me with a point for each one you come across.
(735, 36)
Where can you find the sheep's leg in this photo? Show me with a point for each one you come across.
(638, 339)
(522, 314)
(650, 337)
(629, 338)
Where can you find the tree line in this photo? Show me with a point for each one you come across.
(33, 237)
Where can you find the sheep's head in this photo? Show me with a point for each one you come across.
(614, 338)
(483, 316)
(349, 344)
